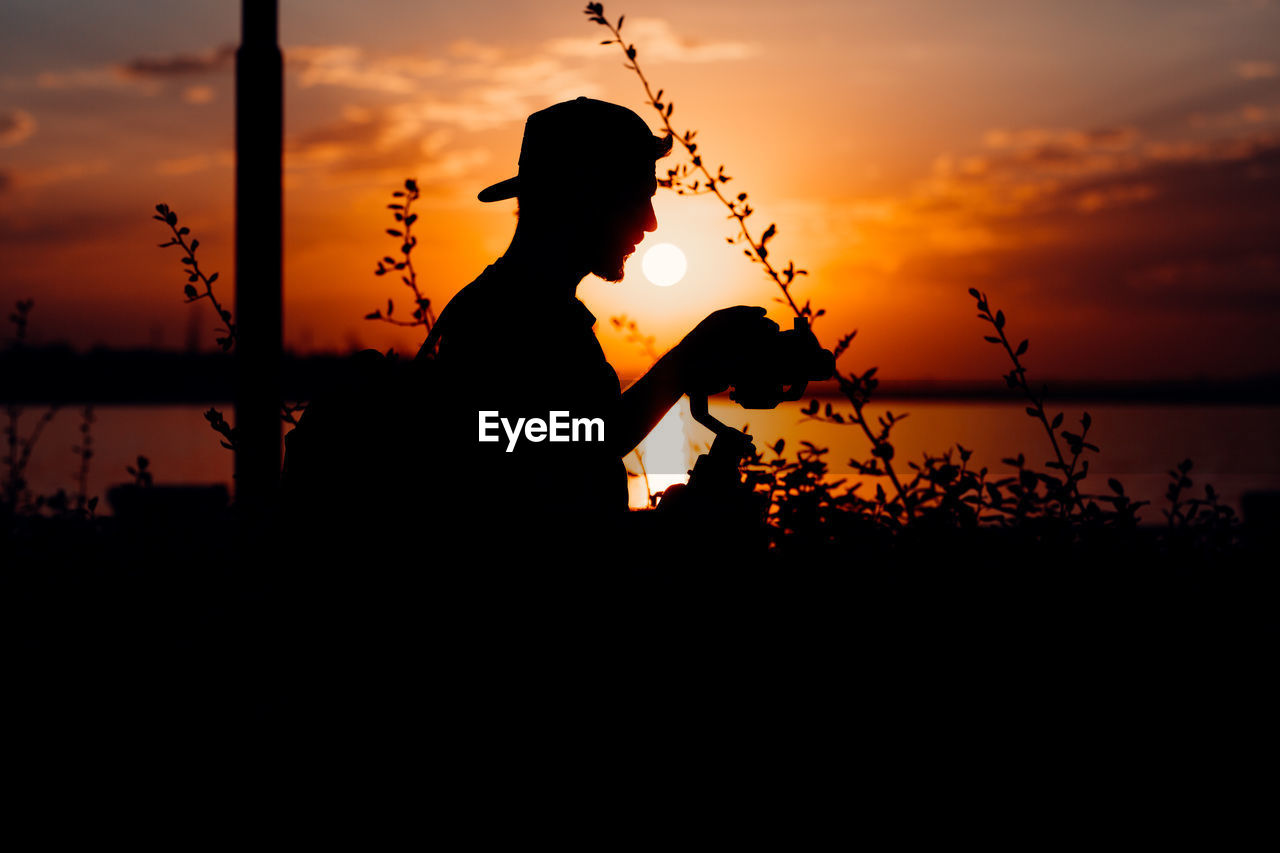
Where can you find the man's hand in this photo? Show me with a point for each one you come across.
(710, 355)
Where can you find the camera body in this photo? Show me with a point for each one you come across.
(781, 370)
(775, 373)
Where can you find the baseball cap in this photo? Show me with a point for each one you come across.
(560, 138)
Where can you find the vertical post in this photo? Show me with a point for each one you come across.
(259, 229)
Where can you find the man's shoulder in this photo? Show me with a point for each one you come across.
(501, 295)
(461, 316)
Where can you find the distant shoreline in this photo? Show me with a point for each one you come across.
(1261, 391)
(59, 374)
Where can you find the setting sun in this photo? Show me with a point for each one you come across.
(664, 264)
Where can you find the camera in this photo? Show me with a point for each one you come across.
(715, 501)
(780, 371)
(775, 373)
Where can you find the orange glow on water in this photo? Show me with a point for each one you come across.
(664, 457)
(182, 448)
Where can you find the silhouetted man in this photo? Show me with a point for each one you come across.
(529, 385)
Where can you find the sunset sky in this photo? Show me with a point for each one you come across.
(1109, 172)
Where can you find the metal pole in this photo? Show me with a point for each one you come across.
(259, 155)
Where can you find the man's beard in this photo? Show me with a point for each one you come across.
(611, 267)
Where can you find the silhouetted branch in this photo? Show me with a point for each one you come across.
(227, 336)
(679, 179)
(405, 219)
(627, 326)
(230, 436)
(17, 497)
(194, 274)
(84, 504)
(141, 474)
(289, 413)
(1017, 379)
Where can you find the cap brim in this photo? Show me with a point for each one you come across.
(510, 188)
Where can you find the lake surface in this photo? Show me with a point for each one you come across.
(1234, 448)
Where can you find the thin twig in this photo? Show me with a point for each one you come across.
(405, 218)
(194, 273)
(739, 209)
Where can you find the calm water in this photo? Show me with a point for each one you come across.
(1233, 447)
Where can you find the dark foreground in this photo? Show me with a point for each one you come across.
(951, 651)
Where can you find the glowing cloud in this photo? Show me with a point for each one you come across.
(15, 126)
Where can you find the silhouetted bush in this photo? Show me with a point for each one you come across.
(17, 500)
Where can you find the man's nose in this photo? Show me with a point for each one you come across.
(651, 219)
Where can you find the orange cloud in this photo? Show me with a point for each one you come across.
(107, 77)
(16, 126)
(198, 94)
(1257, 69)
(58, 173)
(145, 75)
(195, 163)
(385, 143)
(347, 67)
(180, 65)
(656, 41)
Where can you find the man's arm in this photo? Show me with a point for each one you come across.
(647, 400)
(704, 361)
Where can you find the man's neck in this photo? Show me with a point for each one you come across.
(550, 259)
